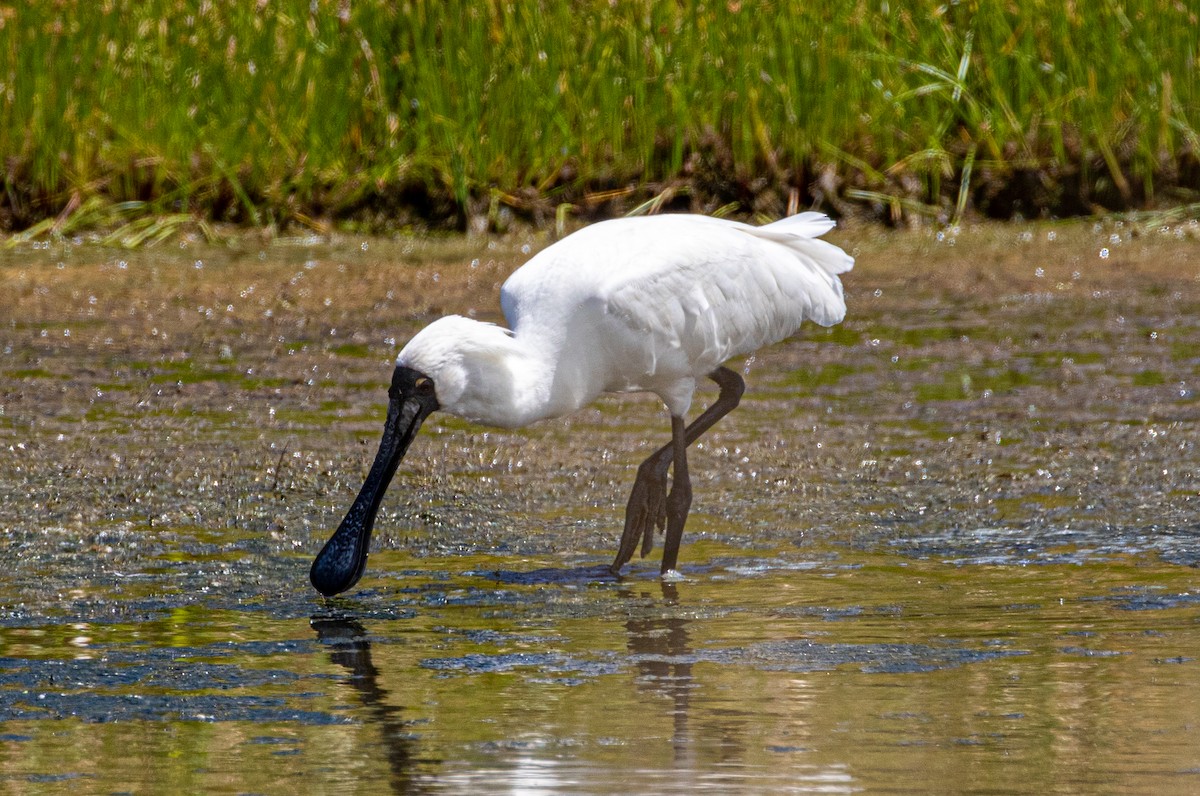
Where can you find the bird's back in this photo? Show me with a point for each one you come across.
(642, 303)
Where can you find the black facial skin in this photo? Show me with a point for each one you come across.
(341, 562)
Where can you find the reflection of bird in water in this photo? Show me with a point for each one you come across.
(661, 650)
(349, 648)
(636, 304)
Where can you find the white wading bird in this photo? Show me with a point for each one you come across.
(650, 303)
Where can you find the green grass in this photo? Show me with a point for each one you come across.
(825, 376)
(1148, 378)
(298, 111)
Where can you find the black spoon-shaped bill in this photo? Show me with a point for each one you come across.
(341, 562)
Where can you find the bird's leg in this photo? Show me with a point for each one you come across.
(647, 506)
(679, 500)
(732, 387)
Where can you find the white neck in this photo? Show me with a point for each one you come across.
(487, 374)
(506, 385)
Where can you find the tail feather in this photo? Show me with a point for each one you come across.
(807, 225)
(800, 232)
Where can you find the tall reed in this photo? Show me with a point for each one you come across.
(286, 109)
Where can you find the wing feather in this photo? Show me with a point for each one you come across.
(725, 289)
(665, 298)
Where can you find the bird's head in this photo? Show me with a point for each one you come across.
(438, 352)
(470, 363)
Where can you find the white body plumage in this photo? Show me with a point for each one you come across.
(648, 303)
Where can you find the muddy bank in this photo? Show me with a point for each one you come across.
(1010, 376)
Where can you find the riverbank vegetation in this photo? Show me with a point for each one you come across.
(144, 116)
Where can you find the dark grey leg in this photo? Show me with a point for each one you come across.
(680, 498)
(647, 506)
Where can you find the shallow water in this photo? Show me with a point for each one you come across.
(947, 547)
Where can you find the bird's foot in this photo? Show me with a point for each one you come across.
(645, 511)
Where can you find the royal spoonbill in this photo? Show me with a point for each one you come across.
(649, 303)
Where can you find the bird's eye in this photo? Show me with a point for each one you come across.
(424, 385)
